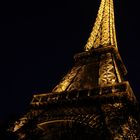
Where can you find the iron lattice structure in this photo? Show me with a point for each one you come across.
(93, 101)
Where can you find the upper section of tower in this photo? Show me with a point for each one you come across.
(103, 33)
(100, 65)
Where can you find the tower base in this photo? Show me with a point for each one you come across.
(103, 113)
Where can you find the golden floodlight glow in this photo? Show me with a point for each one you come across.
(103, 32)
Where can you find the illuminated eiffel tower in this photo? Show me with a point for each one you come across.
(93, 101)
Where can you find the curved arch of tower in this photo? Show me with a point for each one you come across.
(93, 100)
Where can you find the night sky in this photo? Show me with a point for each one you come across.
(38, 41)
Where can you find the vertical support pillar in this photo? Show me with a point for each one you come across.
(106, 70)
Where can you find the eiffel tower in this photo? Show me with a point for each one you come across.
(93, 100)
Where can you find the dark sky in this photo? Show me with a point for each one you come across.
(38, 41)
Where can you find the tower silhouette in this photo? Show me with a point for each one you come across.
(93, 100)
